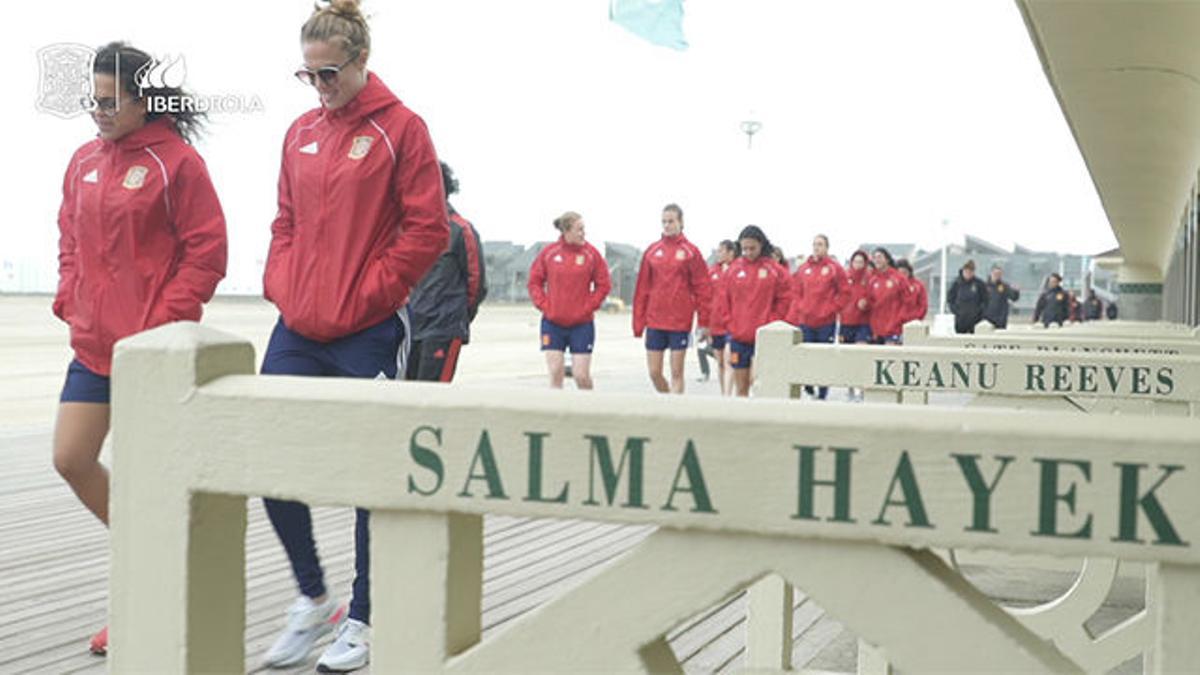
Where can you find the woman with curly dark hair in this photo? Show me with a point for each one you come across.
(141, 243)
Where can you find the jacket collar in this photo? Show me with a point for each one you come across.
(153, 132)
(374, 96)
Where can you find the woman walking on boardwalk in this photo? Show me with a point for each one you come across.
(819, 289)
(718, 335)
(916, 296)
(568, 282)
(361, 219)
(855, 315)
(672, 293)
(887, 299)
(756, 292)
(141, 243)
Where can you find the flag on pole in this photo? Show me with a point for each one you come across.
(658, 21)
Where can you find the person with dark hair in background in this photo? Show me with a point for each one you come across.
(568, 282)
(967, 299)
(819, 290)
(887, 297)
(445, 302)
(855, 315)
(778, 256)
(1093, 307)
(672, 293)
(718, 334)
(1053, 305)
(1074, 307)
(1110, 312)
(361, 219)
(999, 297)
(756, 292)
(916, 296)
(142, 243)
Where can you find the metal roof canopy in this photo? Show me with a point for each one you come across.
(1127, 76)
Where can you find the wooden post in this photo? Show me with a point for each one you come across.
(428, 602)
(177, 584)
(769, 624)
(1176, 608)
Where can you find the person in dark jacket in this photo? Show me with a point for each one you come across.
(1053, 306)
(1000, 294)
(967, 299)
(1093, 308)
(445, 302)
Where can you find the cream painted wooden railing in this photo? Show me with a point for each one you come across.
(1019, 373)
(845, 502)
(917, 334)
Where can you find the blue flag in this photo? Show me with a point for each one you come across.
(659, 21)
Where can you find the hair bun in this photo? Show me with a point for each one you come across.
(347, 9)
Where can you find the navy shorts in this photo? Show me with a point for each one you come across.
(718, 342)
(859, 333)
(84, 386)
(818, 334)
(741, 354)
(379, 351)
(886, 340)
(579, 338)
(658, 340)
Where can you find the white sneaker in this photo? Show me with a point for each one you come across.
(351, 649)
(306, 622)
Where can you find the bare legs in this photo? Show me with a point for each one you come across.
(79, 434)
(581, 369)
(654, 364)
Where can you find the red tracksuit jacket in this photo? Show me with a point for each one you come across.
(141, 239)
(916, 300)
(754, 294)
(718, 322)
(569, 282)
(362, 215)
(819, 289)
(887, 297)
(672, 287)
(858, 288)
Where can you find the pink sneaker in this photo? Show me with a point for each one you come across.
(99, 643)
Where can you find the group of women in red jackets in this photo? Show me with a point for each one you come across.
(745, 289)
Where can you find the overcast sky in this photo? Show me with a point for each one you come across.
(880, 119)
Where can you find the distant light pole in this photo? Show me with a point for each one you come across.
(750, 127)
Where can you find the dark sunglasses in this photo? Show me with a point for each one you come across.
(328, 74)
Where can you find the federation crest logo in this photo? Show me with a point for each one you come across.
(360, 147)
(1000, 287)
(890, 284)
(824, 271)
(762, 273)
(135, 178)
(579, 259)
(680, 254)
(1059, 297)
(65, 79)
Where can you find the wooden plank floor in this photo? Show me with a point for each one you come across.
(54, 575)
